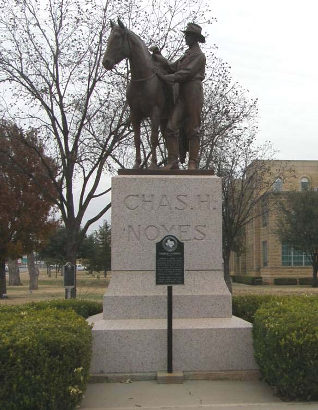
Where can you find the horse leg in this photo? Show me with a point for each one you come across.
(136, 128)
(155, 120)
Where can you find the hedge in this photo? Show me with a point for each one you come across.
(44, 359)
(84, 308)
(245, 306)
(305, 281)
(286, 346)
(285, 281)
(248, 280)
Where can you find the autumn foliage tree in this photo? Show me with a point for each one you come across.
(24, 209)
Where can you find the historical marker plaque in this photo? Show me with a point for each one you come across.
(169, 261)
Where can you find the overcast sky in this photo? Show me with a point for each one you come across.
(271, 47)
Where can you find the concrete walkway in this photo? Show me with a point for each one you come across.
(191, 395)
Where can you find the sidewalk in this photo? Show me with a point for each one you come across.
(191, 395)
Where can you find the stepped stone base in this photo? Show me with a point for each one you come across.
(134, 295)
(130, 336)
(202, 344)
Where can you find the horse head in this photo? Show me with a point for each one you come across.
(117, 45)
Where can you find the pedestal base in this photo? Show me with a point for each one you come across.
(134, 295)
(200, 344)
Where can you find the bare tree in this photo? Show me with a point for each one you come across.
(50, 57)
(50, 62)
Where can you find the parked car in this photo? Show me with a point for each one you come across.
(80, 267)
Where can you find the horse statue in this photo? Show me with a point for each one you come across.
(147, 95)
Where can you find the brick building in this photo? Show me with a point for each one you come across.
(264, 255)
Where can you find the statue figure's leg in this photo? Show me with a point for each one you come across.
(193, 128)
(155, 120)
(194, 146)
(171, 135)
(136, 128)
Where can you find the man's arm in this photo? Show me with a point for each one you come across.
(193, 66)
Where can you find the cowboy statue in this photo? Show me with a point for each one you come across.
(182, 133)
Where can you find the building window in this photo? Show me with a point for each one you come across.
(293, 257)
(278, 185)
(304, 184)
(265, 253)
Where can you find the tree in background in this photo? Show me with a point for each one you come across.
(14, 272)
(97, 249)
(54, 251)
(247, 179)
(297, 224)
(24, 211)
(50, 62)
(50, 58)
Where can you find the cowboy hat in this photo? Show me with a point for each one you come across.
(194, 28)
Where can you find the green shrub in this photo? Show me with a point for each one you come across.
(285, 281)
(305, 281)
(84, 308)
(44, 359)
(248, 280)
(245, 306)
(286, 346)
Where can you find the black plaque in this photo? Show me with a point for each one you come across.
(169, 261)
(69, 275)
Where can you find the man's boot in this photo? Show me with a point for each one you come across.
(194, 146)
(172, 146)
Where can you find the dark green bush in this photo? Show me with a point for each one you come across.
(248, 280)
(285, 281)
(286, 346)
(83, 308)
(245, 306)
(305, 281)
(44, 359)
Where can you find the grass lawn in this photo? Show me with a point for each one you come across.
(88, 287)
(94, 287)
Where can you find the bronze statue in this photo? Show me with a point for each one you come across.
(146, 93)
(185, 118)
(149, 93)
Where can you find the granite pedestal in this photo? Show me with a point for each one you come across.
(130, 336)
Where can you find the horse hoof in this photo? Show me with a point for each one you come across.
(171, 165)
(153, 165)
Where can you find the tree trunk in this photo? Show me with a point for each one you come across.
(33, 272)
(3, 284)
(71, 252)
(48, 270)
(14, 273)
(314, 276)
(226, 262)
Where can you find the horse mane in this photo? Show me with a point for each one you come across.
(140, 41)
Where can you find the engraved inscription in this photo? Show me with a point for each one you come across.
(180, 202)
(156, 232)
